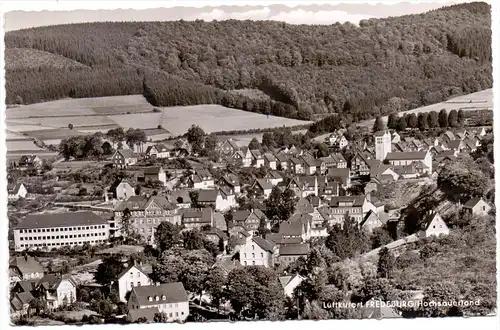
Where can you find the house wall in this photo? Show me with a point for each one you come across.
(124, 191)
(175, 311)
(144, 221)
(134, 277)
(292, 285)
(66, 292)
(56, 237)
(436, 228)
(252, 254)
(481, 208)
(223, 204)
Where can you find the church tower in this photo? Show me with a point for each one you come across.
(382, 144)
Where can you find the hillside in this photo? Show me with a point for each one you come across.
(28, 58)
(308, 71)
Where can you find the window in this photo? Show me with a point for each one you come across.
(253, 262)
(262, 254)
(253, 247)
(169, 314)
(176, 313)
(253, 255)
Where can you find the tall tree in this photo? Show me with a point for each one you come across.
(401, 124)
(412, 120)
(378, 125)
(423, 121)
(346, 240)
(461, 117)
(443, 119)
(280, 205)
(108, 270)
(453, 118)
(386, 263)
(196, 137)
(254, 144)
(433, 119)
(255, 291)
(167, 236)
(392, 121)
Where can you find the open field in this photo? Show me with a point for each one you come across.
(21, 145)
(49, 121)
(82, 107)
(481, 100)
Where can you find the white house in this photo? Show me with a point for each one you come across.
(222, 198)
(264, 186)
(131, 277)
(169, 298)
(16, 191)
(57, 291)
(289, 283)
(259, 252)
(123, 158)
(158, 151)
(433, 225)
(124, 190)
(155, 173)
(202, 179)
(477, 206)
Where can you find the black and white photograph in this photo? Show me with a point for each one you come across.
(258, 162)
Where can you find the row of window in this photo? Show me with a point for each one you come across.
(62, 243)
(253, 255)
(34, 238)
(145, 213)
(246, 264)
(43, 230)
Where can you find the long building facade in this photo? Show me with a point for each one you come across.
(145, 214)
(55, 230)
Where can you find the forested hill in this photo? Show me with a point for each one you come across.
(380, 66)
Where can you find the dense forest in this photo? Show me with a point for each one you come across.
(376, 68)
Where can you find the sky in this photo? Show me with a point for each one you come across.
(26, 14)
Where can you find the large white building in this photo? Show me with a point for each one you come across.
(169, 298)
(258, 252)
(383, 144)
(54, 230)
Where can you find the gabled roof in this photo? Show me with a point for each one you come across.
(127, 153)
(303, 206)
(14, 188)
(26, 265)
(21, 299)
(294, 249)
(405, 169)
(256, 154)
(217, 232)
(305, 182)
(264, 184)
(471, 203)
(282, 158)
(51, 282)
(357, 200)
(429, 219)
(132, 265)
(454, 144)
(273, 175)
(339, 172)
(67, 219)
(231, 179)
(208, 195)
(309, 161)
(416, 155)
(152, 170)
(176, 194)
(269, 157)
(167, 293)
(140, 203)
(264, 244)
